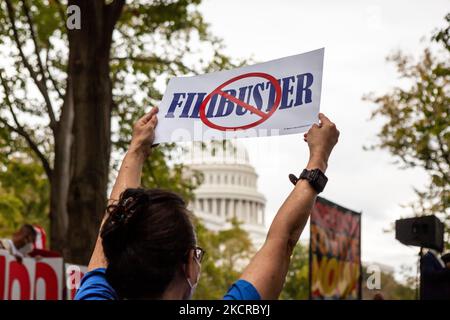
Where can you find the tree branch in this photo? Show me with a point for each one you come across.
(44, 71)
(52, 80)
(61, 11)
(114, 10)
(33, 147)
(154, 59)
(37, 48)
(445, 154)
(22, 132)
(39, 83)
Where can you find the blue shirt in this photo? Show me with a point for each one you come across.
(94, 286)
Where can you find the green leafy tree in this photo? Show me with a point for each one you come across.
(74, 76)
(418, 121)
(296, 286)
(227, 253)
(24, 188)
(24, 192)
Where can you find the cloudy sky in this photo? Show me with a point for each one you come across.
(357, 36)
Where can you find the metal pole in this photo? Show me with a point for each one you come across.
(419, 286)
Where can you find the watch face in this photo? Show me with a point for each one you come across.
(321, 180)
(316, 178)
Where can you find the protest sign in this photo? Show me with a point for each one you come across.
(48, 279)
(74, 273)
(30, 278)
(335, 252)
(273, 98)
(20, 284)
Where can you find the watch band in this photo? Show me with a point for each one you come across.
(315, 177)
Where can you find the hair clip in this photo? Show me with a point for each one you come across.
(121, 217)
(127, 200)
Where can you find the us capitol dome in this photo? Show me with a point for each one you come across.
(229, 189)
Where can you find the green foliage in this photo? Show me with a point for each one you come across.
(10, 214)
(152, 41)
(157, 173)
(418, 121)
(296, 286)
(24, 188)
(24, 192)
(227, 253)
(390, 288)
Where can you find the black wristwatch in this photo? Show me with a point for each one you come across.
(316, 179)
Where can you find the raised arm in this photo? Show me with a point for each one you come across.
(267, 270)
(130, 171)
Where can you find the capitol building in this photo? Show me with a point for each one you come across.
(229, 189)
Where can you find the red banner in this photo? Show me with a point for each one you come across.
(38, 278)
(335, 252)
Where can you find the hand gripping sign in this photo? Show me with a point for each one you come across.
(273, 98)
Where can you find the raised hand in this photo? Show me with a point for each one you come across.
(144, 132)
(321, 139)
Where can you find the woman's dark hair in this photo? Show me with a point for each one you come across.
(146, 238)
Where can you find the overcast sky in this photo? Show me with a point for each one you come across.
(357, 36)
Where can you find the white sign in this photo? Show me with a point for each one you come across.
(74, 274)
(30, 279)
(273, 98)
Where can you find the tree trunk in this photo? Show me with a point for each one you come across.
(59, 218)
(89, 73)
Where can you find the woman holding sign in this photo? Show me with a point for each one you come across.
(147, 246)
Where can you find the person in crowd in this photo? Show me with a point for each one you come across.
(147, 247)
(434, 276)
(446, 259)
(378, 296)
(21, 242)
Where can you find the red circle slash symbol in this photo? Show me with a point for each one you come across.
(264, 116)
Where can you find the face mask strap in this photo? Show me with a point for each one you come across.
(190, 284)
(193, 286)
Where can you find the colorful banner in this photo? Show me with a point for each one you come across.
(335, 252)
(38, 278)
